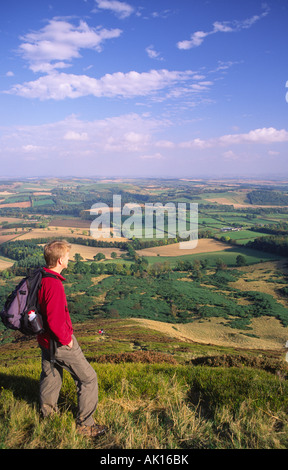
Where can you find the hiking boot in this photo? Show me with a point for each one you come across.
(95, 430)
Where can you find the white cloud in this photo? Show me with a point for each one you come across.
(256, 136)
(195, 41)
(152, 53)
(121, 9)
(124, 134)
(31, 148)
(59, 42)
(72, 135)
(51, 49)
(59, 86)
(134, 137)
(196, 143)
(123, 143)
(167, 144)
(198, 37)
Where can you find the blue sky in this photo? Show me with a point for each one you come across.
(144, 88)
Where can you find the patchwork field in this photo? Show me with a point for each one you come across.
(61, 204)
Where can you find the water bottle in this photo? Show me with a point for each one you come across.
(35, 322)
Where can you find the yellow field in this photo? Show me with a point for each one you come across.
(88, 252)
(10, 220)
(55, 232)
(17, 204)
(225, 201)
(204, 245)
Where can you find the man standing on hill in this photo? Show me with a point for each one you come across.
(59, 345)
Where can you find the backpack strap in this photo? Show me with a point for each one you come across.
(45, 274)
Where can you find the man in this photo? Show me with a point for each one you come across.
(59, 341)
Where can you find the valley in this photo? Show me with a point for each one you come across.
(209, 324)
(229, 228)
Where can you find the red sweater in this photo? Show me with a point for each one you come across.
(53, 306)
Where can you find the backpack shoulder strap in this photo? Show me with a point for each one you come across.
(45, 274)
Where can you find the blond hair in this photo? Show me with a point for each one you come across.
(55, 250)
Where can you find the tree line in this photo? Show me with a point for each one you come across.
(271, 244)
(265, 197)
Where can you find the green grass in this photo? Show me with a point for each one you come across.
(243, 234)
(173, 401)
(152, 407)
(43, 202)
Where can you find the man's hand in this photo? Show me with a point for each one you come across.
(70, 345)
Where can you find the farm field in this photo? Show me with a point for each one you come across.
(227, 223)
(203, 246)
(235, 198)
(88, 252)
(67, 222)
(62, 232)
(20, 205)
(53, 232)
(228, 254)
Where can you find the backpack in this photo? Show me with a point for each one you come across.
(21, 309)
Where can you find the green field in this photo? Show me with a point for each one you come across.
(42, 202)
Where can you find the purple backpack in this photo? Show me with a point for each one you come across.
(21, 302)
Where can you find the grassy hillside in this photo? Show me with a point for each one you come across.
(156, 392)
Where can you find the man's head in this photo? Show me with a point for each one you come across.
(56, 254)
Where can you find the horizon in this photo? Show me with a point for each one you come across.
(196, 90)
(111, 178)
